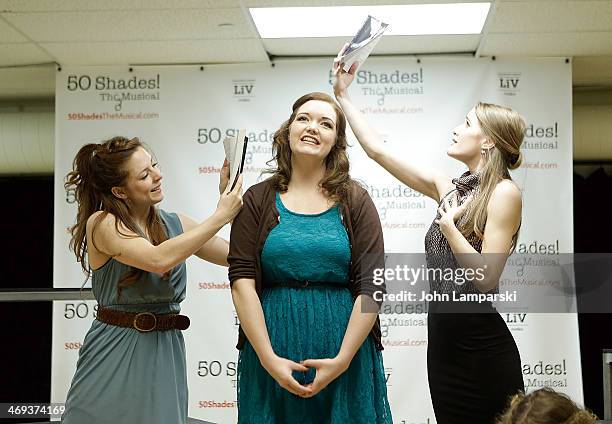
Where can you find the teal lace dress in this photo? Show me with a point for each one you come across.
(309, 323)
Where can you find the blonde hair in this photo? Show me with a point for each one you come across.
(545, 406)
(505, 129)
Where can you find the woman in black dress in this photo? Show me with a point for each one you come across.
(473, 363)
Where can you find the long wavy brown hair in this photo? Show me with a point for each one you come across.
(545, 406)
(336, 180)
(505, 128)
(96, 169)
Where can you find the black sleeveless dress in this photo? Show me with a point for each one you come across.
(473, 364)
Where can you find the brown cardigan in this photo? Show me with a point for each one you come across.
(259, 215)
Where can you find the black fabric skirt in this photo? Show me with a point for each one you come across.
(473, 364)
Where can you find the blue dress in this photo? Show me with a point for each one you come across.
(124, 376)
(310, 323)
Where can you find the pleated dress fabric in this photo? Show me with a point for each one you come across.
(124, 376)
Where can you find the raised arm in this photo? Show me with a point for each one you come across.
(430, 182)
(112, 238)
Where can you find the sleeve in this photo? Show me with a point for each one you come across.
(368, 247)
(243, 239)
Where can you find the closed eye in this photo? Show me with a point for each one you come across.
(154, 165)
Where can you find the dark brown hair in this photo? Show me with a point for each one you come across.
(545, 406)
(96, 169)
(336, 180)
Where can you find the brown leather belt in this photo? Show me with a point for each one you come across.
(142, 321)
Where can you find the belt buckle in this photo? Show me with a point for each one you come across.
(145, 314)
(305, 283)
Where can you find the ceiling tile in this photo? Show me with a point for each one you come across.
(76, 5)
(8, 34)
(137, 25)
(551, 16)
(549, 44)
(22, 54)
(158, 52)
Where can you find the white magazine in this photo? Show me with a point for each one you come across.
(363, 42)
(235, 152)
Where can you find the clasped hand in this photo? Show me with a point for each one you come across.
(327, 370)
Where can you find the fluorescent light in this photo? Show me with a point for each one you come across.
(340, 21)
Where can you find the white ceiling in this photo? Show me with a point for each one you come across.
(122, 32)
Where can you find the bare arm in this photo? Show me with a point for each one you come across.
(503, 220)
(131, 249)
(359, 326)
(253, 323)
(250, 314)
(214, 250)
(430, 182)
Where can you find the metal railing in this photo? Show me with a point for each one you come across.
(37, 295)
(607, 383)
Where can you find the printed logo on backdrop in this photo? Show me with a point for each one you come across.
(509, 83)
(388, 373)
(516, 322)
(405, 320)
(243, 89)
(116, 92)
(381, 86)
(392, 203)
(217, 373)
(259, 148)
(528, 266)
(541, 374)
(213, 285)
(550, 247)
(541, 137)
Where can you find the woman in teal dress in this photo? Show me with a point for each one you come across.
(131, 368)
(302, 255)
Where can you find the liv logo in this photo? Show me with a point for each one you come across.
(516, 318)
(243, 90)
(509, 82)
(388, 372)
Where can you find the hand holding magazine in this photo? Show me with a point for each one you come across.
(235, 152)
(362, 43)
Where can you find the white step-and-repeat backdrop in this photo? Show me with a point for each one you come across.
(183, 114)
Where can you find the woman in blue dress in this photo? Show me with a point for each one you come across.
(302, 255)
(131, 368)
